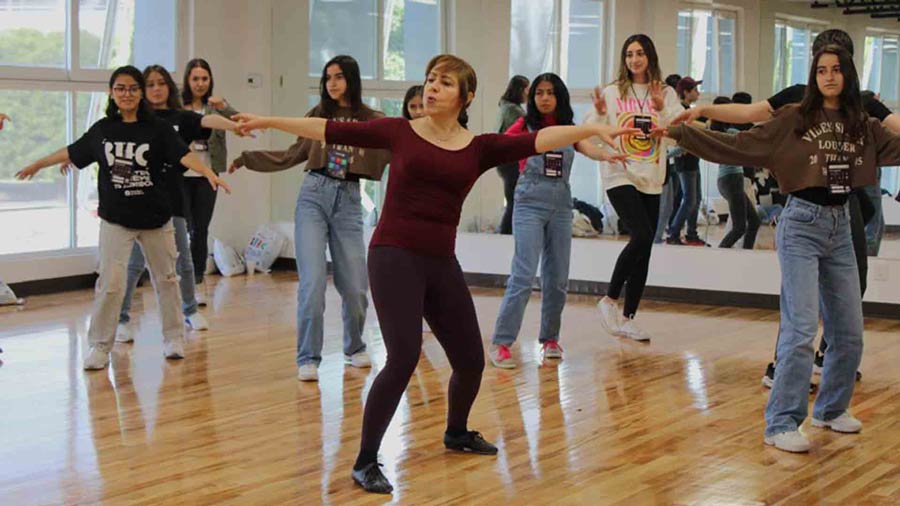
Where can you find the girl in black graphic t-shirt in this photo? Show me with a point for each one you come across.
(131, 147)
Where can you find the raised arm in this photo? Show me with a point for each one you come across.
(309, 128)
(273, 161)
(60, 156)
(753, 147)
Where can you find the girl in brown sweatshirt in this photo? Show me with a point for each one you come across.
(819, 151)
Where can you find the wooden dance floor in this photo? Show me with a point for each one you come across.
(677, 421)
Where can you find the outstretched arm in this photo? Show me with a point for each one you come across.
(60, 156)
(193, 162)
(216, 122)
(595, 152)
(753, 147)
(729, 113)
(554, 137)
(310, 128)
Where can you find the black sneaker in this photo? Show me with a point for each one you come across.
(768, 378)
(371, 479)
(819, 363)
(674, 240)
(470, 442)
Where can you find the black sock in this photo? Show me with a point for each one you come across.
(456, 431)
(365, 458)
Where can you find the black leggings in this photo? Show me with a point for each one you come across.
(405, 286)
(199, 202)
(510, 176)
(640, 212)
(741, 212)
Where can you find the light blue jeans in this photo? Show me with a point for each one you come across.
(329, 213)
(818, 269)
(666, 203)
(542, 230)
(690, 206)
(184, 266)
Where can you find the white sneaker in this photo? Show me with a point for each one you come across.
(845, 423)
(197, 321)
(174, 349)
(200, 293)
(96, 359)
(630, 330)
(308, 372)
(359, 359)
(609, 312)
(501, 356)
(792, 441)
(125, 332)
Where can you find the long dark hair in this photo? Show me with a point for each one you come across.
(144, 111)
(329, 106)
(186, 95)
(414, 91)
(173, 102)
(564, 115)
(851, 109)
(625, 78)
(716, 125)
(514, 89)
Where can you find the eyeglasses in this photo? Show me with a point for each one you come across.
(129, 90)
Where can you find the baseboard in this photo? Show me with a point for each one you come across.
(56, 285)
(685, 295)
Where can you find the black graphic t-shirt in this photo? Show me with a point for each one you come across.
(131, 180)
(187, 125)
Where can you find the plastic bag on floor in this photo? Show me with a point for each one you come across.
(8, 297)
(227, 258)
(264, 248)
(581, 225)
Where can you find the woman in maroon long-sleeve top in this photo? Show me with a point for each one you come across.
(412, 267)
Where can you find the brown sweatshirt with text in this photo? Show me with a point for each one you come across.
(798, 161)
(365, 163)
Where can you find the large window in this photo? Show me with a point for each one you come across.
(793, 44)
(706, 48)
(566, 37)
(881, 70)
(52, 83)
(392, 40)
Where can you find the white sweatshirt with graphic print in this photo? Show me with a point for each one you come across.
(646, 167)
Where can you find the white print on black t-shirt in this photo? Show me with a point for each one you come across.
(127, 163)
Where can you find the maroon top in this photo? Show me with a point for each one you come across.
(427, 184)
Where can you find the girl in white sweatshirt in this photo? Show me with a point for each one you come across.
(637, 99)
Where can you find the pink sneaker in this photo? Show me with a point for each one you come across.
(552, 349)
(501, 356)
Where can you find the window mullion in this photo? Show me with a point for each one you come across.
(72, 179)
(73, 43)
(562, 39)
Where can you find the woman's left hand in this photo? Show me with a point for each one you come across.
(657, 95)
(216, 102)
(659, 132)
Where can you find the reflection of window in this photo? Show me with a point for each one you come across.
(407, 31)
(565, 37)
(881, 69)
(58, 77)
(793, 43)
(706, 48)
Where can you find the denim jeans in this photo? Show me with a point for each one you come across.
(542, 230)
(329, 213)
(876, 226)
(184, 266)
(666, 204)
(690, 206)
(818, 269)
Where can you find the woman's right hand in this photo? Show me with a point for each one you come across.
(247, 122)
(608, 133)
(27, 173)
(687, 116)
(659, 132)
(599, 101)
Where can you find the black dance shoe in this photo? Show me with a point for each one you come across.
(470, 442)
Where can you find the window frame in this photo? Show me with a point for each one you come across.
(882, 34)
(812, 26)
(716, 12)
(72, 80)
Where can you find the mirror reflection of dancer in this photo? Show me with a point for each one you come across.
(132, 147)
(819, 151)
(413, 270)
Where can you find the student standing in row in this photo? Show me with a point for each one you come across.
(542, 224)
(510, 111)
(640, 100)
(329, 214)
(435, 161)
(819, 151)
(197, 95)
(162, 95)
(132, 147)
